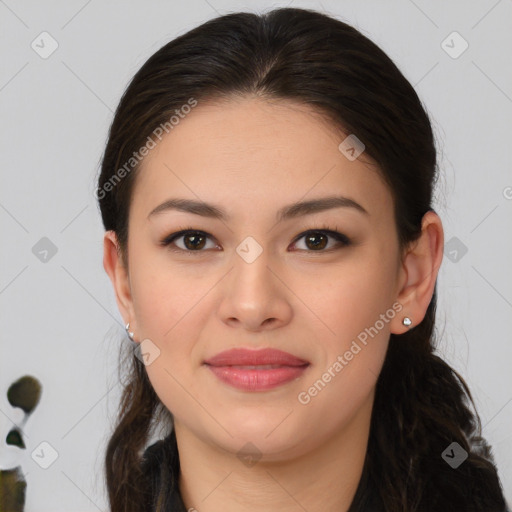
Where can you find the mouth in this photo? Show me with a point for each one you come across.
(251, 357)
(252, 370)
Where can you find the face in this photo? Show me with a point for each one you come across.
(263, 275)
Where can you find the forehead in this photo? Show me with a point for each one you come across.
(259, 153)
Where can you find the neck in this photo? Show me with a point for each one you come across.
(322, 479)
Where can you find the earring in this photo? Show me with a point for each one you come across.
(130, 334)
(407, 321)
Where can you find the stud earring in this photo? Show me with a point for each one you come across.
(130, 333)
(407, 321)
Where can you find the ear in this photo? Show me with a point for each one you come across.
(418, 273)
(116, 270)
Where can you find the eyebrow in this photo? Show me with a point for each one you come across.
(288, 212)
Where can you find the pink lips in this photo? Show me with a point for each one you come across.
(256, 370)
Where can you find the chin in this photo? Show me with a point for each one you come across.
(262, 436)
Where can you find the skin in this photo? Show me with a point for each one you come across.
(252, 157)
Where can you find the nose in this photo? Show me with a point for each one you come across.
(254, 297)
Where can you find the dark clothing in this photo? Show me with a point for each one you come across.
(161, 465)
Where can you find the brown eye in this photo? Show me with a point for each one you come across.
(193, 241)
(317, 240)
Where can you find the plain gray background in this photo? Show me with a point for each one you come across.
(59, 320)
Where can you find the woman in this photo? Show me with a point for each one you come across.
(266, 192)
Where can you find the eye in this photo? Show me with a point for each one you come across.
(194, 240)
(316, 240)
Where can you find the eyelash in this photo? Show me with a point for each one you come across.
(342, 239)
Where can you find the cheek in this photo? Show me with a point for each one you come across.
(173, 308)
(353, 296)
(170, 313)
(356, 305)
(358, 312)
(165, 297)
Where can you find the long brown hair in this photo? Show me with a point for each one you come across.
(421, 404)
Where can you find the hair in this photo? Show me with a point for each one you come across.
(421, 404)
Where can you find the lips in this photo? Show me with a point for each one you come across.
(256, 370)
(249, 358)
